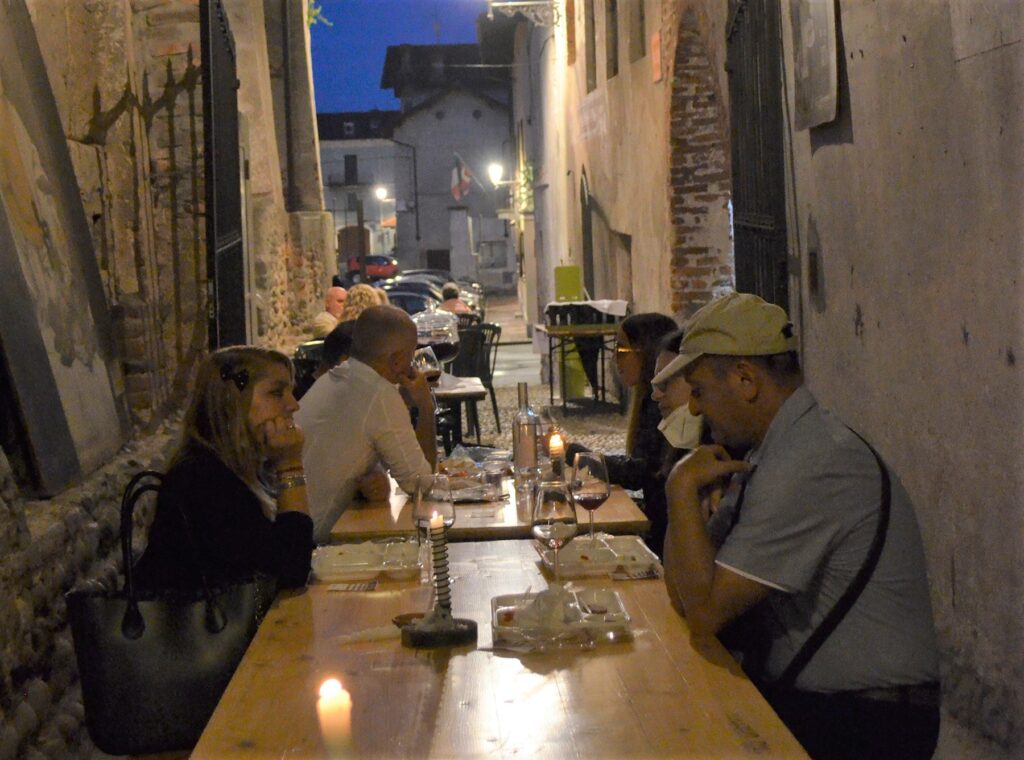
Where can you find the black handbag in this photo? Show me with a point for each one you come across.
(154, 666)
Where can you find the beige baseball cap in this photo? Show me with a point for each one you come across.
(737, 324)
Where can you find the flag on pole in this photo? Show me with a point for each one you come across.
(462, 179)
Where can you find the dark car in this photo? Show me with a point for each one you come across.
(413, 286)
(412, 303)
(377, 267)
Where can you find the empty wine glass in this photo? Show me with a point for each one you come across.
(554, 517)
(589, 483)
(426, 361)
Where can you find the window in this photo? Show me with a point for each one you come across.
(637, 30)
(588, 25)
(611, 37)
(349, 128)
(351, 169)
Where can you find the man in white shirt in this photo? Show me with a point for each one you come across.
(327, 320)
(354, 417)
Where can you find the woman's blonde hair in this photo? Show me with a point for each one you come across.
(217, 417)
(360, 298)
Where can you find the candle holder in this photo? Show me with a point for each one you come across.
(437, 628)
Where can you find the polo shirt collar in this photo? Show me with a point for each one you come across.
(793, 408)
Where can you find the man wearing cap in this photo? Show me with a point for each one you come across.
(804, 513)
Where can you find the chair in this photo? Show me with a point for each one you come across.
(478, 353)
(468, 320)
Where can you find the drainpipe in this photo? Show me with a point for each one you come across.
(415, 185)
(287, 66)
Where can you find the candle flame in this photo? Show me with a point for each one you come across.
(330, 688)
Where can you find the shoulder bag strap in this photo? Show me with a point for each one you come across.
(849, 597)
(132, 624)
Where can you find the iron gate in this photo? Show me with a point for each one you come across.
(754, 65)
(225, 266)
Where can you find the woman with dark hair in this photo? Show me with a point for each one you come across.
(637, 344)
(233, 502)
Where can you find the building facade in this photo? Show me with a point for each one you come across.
(123, 254)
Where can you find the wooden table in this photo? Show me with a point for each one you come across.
(476, 522)
(656, 696)
(465, 389)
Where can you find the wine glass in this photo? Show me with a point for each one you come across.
(589, 483)
(554, 517)
(425, 360)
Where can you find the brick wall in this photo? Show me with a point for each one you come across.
(700, 179)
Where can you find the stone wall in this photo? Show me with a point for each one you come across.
(49, 548)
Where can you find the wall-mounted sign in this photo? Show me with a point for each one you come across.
(814, 62)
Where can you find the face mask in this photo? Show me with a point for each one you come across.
(682, 429)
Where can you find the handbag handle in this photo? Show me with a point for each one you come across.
(132, 624)
(853, 591)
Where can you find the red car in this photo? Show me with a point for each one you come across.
(377, 266)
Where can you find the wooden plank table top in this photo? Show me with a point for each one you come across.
(494, 520)
(658, 695)
(462, 389)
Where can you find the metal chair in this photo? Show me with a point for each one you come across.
(478, 354)
(468, 320)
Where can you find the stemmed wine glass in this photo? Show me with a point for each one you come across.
(426, 361)
(589, 483)
(554, 517)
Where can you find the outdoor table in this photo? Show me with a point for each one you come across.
(560, 339)
(658, 695)
(452, 396)
(482, 521)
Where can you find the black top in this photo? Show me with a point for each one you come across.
(233, 537)
(643, 469)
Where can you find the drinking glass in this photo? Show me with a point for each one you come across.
(589, 483)
(426, 361)
(554, 517)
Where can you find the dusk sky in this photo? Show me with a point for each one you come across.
(348, 57)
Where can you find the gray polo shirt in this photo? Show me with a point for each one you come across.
(808, 517)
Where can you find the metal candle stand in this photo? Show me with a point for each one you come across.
(438, 628)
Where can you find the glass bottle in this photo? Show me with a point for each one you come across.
(525, 431)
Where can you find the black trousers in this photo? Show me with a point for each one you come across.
(850, 727)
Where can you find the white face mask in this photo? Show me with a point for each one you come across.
(682, 429)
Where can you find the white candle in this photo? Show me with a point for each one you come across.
(436, 521)
(556, 447)
(334, 709)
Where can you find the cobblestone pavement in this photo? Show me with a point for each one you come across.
(599, 427)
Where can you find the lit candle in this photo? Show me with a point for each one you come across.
(556, 449)
(436, 521)
(334, 709)
(556, 446)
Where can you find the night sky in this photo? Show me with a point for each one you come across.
(348, 57)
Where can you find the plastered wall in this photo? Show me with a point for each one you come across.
(912, 206)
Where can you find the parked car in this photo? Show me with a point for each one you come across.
(472, 296)
(377, 266)
(412, 303)
(412, 286)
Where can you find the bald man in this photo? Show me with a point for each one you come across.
(327, 320)
(354, 417)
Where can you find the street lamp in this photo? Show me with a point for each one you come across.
(495, 172)
(381, 192)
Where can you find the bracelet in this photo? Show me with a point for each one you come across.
(290, 481)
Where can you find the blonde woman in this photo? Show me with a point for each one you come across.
(236, 479)
(360, 298)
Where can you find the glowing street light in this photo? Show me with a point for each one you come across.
(381, 192)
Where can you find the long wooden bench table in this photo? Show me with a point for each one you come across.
(485, 521)
(658, 695)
